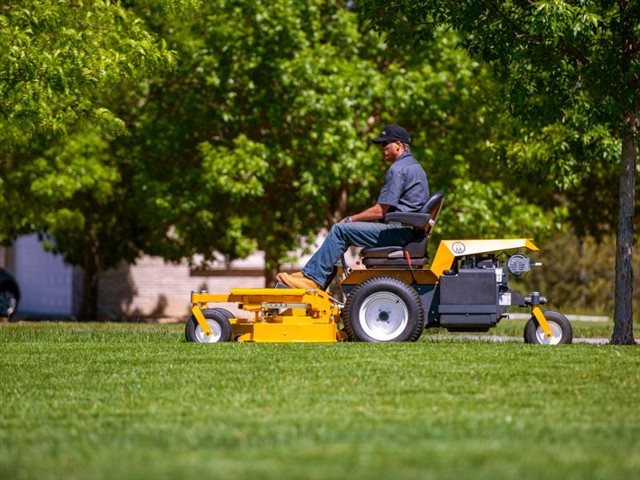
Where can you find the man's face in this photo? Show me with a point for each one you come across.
(391, 150)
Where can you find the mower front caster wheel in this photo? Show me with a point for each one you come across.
(218, 320)
(560, 327)
(383, 309)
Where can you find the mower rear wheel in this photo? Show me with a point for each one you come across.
(560, 326)
(383, 309)
(218, 320)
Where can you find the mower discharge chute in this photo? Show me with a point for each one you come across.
(393, 298)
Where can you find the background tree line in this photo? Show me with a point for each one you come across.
(180, 127)
(577, 274)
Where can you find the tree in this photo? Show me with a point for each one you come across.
(252, 132)
(64, 71)
(276, 103)
(572, 74)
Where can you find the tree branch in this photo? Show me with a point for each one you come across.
(521, 33)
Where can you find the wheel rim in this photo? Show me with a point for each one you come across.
(383, 316)
(556, 329)
(202, 337)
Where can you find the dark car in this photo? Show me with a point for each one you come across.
(9, 295)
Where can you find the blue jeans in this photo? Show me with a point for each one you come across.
(356, 234)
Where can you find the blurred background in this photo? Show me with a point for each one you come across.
(151, 148)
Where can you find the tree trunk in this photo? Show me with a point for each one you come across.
(582, 273)
(623, 314)
(91, 267)
(271, 269)
(339, 210)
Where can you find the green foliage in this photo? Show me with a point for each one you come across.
(134, 401)
(56, 60)
(566, 82)
(240, 172)
(491, 209)
(278, 106)
(61, 70)
(194, 130)
(577, 274)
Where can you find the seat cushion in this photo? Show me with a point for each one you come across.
(383, 252)
(394, 262)
(417, 249)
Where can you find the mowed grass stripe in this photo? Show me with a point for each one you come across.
(135, 401)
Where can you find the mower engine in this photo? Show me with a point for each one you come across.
(475, 295)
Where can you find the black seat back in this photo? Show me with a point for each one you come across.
(424, 223)
(434, 205)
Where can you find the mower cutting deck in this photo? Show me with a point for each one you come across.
(278, 315)
(393, 299)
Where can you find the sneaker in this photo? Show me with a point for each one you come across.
(295, 281)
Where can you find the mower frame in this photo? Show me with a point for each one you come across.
(450, 294)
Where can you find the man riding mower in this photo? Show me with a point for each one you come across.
(399, 293)
(394, 298)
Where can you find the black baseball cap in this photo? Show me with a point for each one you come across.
(392, 133)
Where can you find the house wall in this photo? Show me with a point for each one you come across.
(153, 288)
(149, 289)
(45, 281)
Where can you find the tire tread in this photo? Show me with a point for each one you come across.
(219, 315)
(396, 286)
(531, 326)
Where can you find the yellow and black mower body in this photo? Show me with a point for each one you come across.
(394, 297)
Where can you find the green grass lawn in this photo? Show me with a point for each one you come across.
(96, 401)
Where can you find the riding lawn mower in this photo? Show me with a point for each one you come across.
(398, 294)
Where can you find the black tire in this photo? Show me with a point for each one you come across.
(227, 314)
(9, 299)
(563, 332)
(223, 311)
(383, 309)
(218, 320)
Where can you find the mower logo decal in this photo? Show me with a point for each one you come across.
(458, 248)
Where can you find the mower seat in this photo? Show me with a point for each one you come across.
(396, 256)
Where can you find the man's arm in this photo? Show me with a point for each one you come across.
(377, 212)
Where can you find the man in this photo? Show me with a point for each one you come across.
(405, 189)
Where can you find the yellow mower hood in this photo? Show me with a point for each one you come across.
(449, 249)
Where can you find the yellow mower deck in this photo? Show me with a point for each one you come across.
(276, 314)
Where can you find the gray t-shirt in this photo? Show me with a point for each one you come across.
(405, 188)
